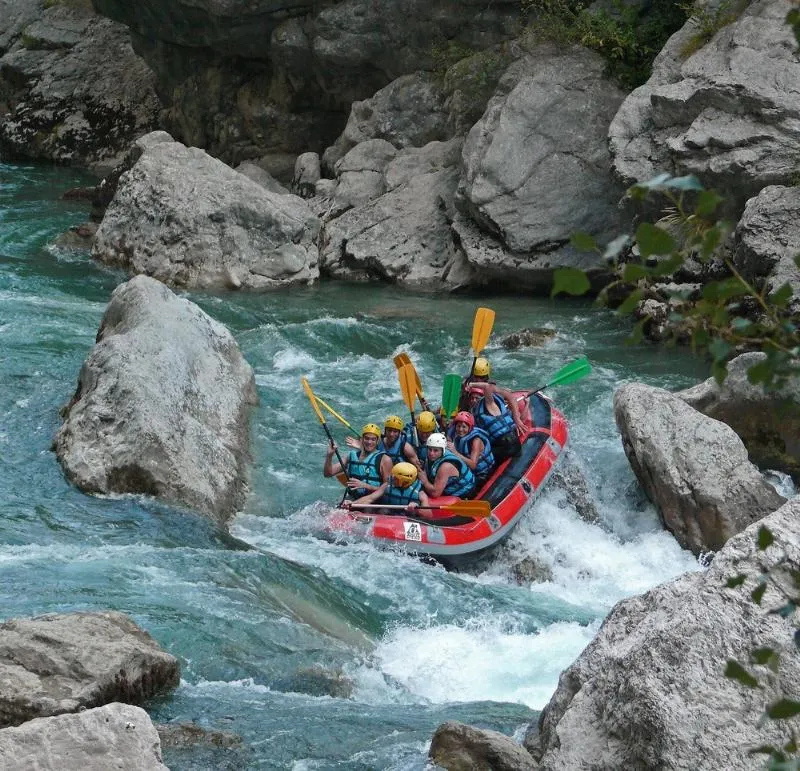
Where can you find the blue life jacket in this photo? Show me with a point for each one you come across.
(485, 459)
(401, 496)
(395, 451)
(367, 470)
(494, 425)
(422, 454)
(461, 485)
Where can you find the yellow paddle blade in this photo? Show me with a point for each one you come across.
(342, 479)
(481, 329)
(401, 359)
(312, 399)
(408, 386)
(477, 509)
(333, 412)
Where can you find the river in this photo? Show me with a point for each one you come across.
(318, 655)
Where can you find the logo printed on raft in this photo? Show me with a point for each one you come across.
(413, 531)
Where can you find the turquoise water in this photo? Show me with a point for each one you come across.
(318, 655)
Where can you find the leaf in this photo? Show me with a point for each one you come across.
(785, 610)
(653, 240)
(763, 656)
(669, 266)
(732, 583)
(764, 749)
(758, 593)
(711, 240)
(761, 372)
(735, 671)
(630, 302)
(583, 242)
(742, 326)
(797, 638)
(724, 290)
(707, 203)
(570, 281)
(719, 349)
(783, 709)
(781, 296)
(765, 538)
(689, 182)
(797, 260)
(637, 333)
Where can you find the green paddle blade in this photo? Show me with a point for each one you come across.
(571, 372)
(451, 394)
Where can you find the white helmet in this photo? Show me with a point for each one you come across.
(437, 440)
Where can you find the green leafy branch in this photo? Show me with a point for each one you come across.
(783, 575)
(732, 315)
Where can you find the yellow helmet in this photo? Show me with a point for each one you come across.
(426, 421)
(482, 367)
(394, 421)
(404, 474)
(371, 428)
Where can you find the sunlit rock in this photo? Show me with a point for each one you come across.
(162, 405)
(649, 691)
(62, 663)
(694, 469)
(187, 219)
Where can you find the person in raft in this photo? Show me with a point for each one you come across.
(444, 472)
(402, 489)
(472, 445)
(426, 425)
(367, 467)
(480, 374)
(501, 422)
(394, 442)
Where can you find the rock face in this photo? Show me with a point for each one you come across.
(405, 235)
(767, 423)
(693, 468)
(162, 405)
(243, 79)
(727, 112)
(768, 240)
(71, 88)
(189, 220)
(537, 167)
(62, 663)
(649, 692)
(459, 747)
(114, 736)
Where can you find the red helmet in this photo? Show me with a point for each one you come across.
(465, 417)
(473, 391)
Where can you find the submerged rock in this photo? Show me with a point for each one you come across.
(117, 736)
(187, 219)
(694, 469)
(62, 663)
(162, 405)
(459, 747)
(528, 338)
(649, 691)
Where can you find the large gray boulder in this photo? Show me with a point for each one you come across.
(459, 747)
(63, 663)
(649, 691)
(405, 235)
(727, 112)
(694, 469)
(71, 88)
(409, 112)
(162, 405)
(767, 422)
(767, 240)
(537, 168)
(187, 219)
(116, 736)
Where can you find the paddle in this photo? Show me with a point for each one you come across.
(313, 400)
(477, 509)
(481, 329)
(336, 415)
(408, 388)
(569, 373)
(451, 395)
(403, 360)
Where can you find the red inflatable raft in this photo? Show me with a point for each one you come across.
(511, 491)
